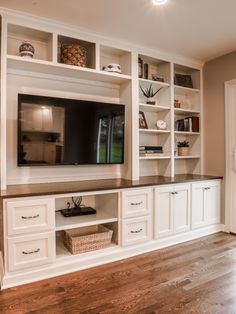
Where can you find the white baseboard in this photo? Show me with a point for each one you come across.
(78, 262)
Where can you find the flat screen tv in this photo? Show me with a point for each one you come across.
(58, 131)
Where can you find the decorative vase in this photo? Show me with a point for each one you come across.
(183, 151)
(27, 50)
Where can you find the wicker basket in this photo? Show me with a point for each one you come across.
(87, 239)
(74, 54)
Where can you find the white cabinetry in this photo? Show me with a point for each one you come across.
(172, 210)
(205, 203)
(136, 213)
(25, 246)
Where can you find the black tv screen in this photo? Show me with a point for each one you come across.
(58, 131)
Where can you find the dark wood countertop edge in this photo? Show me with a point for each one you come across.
(119, 184)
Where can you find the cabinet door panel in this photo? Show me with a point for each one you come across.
(212, 200)
(181, 208)
(163, 212)
(197, 204)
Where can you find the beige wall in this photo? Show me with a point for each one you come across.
(215, 73)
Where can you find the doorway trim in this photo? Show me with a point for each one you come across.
(230, 87)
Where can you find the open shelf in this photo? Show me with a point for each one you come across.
(100, 217)
(41, 41)
(181, 111)
(59, 69)
(153, 158)
(181, 90)
(154, 108)
(110, 55)
(89, 47)
(155, 83)
(154, 131)
(186, 133)
(155, 67)
(187, 157)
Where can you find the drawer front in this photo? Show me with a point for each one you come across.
(29, 251)
(136, 203)
(30, 216)
(136, 230)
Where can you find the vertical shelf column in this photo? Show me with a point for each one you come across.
(173, 144)
(3, 113)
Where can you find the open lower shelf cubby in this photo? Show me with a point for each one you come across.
(41, 41)
(106, 206)
(154, 166)
(62, 252)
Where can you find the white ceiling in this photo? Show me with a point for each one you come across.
(199, 29)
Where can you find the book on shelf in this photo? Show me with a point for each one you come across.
(188, 124)
(146, 147)
(147, 151)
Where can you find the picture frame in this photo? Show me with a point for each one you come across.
(142, 121)
(183, 80)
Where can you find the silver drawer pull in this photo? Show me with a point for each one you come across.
(31, 252)
(172, 193)
(139, 203)
(208, 188)
(30, 217)
(136, 231)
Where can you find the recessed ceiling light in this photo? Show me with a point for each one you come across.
(159, 2)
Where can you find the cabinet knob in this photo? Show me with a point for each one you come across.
(31, 252)
(136, 231)
(30, 217)
(135, 204)
(173, 193)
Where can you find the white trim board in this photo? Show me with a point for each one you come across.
(229, 144)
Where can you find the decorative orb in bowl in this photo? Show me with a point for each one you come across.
(112, 67)
(26, 50)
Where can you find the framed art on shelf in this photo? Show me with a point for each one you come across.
(142, 121)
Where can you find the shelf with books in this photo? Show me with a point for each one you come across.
(187, 124)
(153, 69)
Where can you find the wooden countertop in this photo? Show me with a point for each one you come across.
(25, 190)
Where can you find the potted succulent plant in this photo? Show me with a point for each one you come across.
(183, 148)
(149, 94)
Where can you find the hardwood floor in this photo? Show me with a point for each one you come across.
(191, 278)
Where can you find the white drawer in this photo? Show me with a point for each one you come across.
(26, 216)
(136, 230)
(31, 250)
(136, 203)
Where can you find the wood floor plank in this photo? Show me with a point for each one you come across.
(195, 277)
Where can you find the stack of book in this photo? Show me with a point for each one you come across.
(188, 124)
(150, 151)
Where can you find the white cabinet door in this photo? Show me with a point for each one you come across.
(212, 202)
(198, 205)
(205, 203)
(181, 208)
(163, 211)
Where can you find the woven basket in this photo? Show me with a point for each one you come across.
(74, 54)
(87, 239)
(183, 151)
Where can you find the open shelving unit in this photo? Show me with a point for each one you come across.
(46, 72)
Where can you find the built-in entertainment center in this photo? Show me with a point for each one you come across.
(117, 143)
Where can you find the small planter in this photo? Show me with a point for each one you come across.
(151, 101)
(183, 151)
